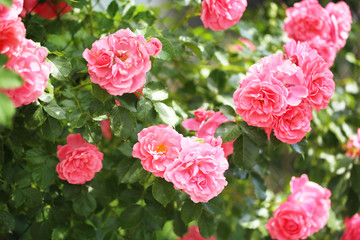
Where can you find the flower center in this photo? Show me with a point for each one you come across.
(160, 148)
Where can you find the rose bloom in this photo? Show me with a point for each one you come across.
(314, 199)
(118, 62)
(318, 78)
(340, 15)
(327, 50)
(49, 9)
(194, 234)
(153, 46)
(12, 13)
(12, 36)
(222, 14)
(353, 145)
(30, 64)
(157, 148)
(260, 100)
(290, 222)
(199, 169)
(206, 123)
(292, 126)
(352, 231)
(105, 128)
(79, 160)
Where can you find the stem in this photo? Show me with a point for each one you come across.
(81, 85)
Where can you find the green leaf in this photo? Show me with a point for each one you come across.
(71, 191)
(77, 120)
(223, 230)
(9, 79)
(166, 113)
(122, 122)
(256, 134)
(259, 184)
(84, 204)
(246, 152)
(194, 48)
(168, 51)
(7, 222)
(7, 110)
(112, 8)
(7, 3)
(163, 191)
(3, 58)
(35, 119)
(229, 112)
(40, 230)
(51, 129)
(355, 178)
(60, 67)
(60, 233)
(100, 93)
(190, 211)
(155, 91)
(300, 147)
(206, 225)
(228, 131)
(55, 111)
(44, 175)
(36, 156)
(215, 206)
(179, 226)
(83, 231)
(130, 171)
(131, 216)
(145, 110)
(216, 80)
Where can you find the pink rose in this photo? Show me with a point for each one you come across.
(199, 169)
(12, 36)
(105, 128)
(327, 50)
(30, 64)
(153, 46)
(353, 145)
(79, 160)
(158, 147)
(290, 222)
(258, 101)
(49, 9)
(194, 234)
(222, 14)
(306, 20)
(11, 13)
(201, 115)
(118, 62)
(292, 126)
(352, 231)
(314, 199)
(341, 17)
(245, 42)
(318, 78)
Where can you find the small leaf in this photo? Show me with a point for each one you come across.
(166, 113)
(7, 221)
(215, 206)
(60, 233)
(122, 122)
(100, 93)
(300, 147)
(155, 91)
(131, 216)
(179, 226)
(190, 211)
(194, 48)
(228, 131)
(130, 171)
(36, 156)
(168, 51)
(7, 110)
(9, 79)
(259, 185)
(112, 8)
(55, 111)
(60, 67)
(229, 112)
(35, 119)
(206, 225)
(355, 178)
(163, 191)
(246, 152)
(145, 110)
(84, 205)
(44, 175)
(257, 135)
(51, 129)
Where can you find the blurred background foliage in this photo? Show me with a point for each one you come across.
(197, 68)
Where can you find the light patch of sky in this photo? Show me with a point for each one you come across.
(101, 5)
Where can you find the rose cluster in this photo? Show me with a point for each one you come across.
(222, 14)
(304, 213)
(205, 124)
(353, 145)
(194, 234)
(279, 92)
(325, 29)
(24, 57)
(119, 62)
(194, 165)
(79, 160)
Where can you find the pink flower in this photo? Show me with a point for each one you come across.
(12, 36)
(158, 147)
(118, 63)
(341, 17)
(318, 78)
(105, 128)
(31, 66)
(290, 222)
(12, 13)
(353, 145)
(260, 99)
(153, 46)
(314, 199)
(246, 42)
(292, 126)
(49, 9)
(201, 115)
(194, 234)
(222, 14)
(352, 231)
(79, 160)
(199, 169)
(327, 50)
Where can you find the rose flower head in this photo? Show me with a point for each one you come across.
(352, 231)
(79, 160)
(194, 234)
(11, 13)
(353, 145)
(12, 36)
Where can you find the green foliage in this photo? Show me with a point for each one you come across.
(196, 68)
